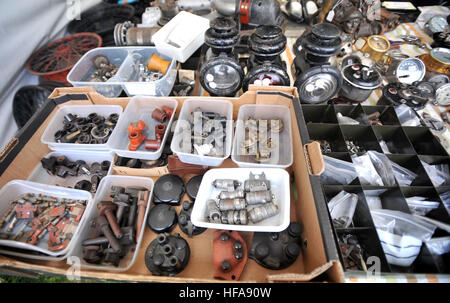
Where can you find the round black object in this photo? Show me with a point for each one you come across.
(221, 76)
(397, 93)
(193, 185)
(162, 218)
(277, 250)
(83, 185)
(101, 19)
(267, 40)
(185, 223)
(441, 40)
(222, 35)
(27, 100)
(318, 84)
(274, 74)
(362, 76)
(167, 255)
(168, 189)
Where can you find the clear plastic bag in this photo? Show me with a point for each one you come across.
(438, 174)
(420, 205)
(401, 235)
(366, 171)
(338, 171)
(346, 120)
(403, 175)
(383, 166)
(407, 116)
(342, 208)
(438, 246)
(373, 198)
(445, 197)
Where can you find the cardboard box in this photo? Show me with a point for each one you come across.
(318, 260)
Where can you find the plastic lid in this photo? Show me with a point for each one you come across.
(193, 185)
(326, 31)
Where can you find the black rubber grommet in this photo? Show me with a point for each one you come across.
(168, 189)
(193, 185)
(83, 185)
(162, 218)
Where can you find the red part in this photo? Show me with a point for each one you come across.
(159, 115)
(26, 211)
(135, 135)
(53, 61)
(168, 110)
(244, 11)
(224, 251)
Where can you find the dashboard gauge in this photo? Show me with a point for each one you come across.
(376, 46)
(438, 79)
(443, 95)
(438, 60)
(410, 70)
(436, 24)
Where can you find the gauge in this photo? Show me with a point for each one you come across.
(441, 54)
(438, 79)
(443, 95)
(379, 43)
(436, 24)
(410, 70)
(376, 46)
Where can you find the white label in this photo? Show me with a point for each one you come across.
(141, 88)
(330, 16)
(398, 5)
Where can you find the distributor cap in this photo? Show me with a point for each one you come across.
(267, 40)
(362, 76)
(222, 34)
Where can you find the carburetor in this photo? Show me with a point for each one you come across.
(221, 74)
(264, 65)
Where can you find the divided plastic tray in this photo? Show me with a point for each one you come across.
(281, 155)
(140, 108)
(127, 76)
(48, 137)
(222, 107)
(408, 146)
(16, 188)
(87, 231)
(279, 184)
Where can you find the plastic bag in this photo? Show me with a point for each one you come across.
(407, 116)
(445, 197)
(346, 120)
(435, 223)
(338, 171)
(384, 147)
(366, 171)
(437, 173)
(383, 166)
(401, 235)
(403, 175)
(438, 246)
(342, 208)
(420, 206)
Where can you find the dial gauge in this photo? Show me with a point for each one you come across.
(410, 70)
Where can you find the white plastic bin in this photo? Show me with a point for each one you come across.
(48, 137)
(279, 185)
(40, 175)
(282, 154)
(84, 68)
(129, 74)
(141, 108)
(181, 36)
(16, 188)
(222, 107)
(103, 191)
(126, 58)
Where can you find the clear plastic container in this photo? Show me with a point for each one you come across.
(279, 184)
(84, 68)
(16, 188)
(87, 231)
(40, 175)
(222, 107)
(48, 137)
(282, 154)
(127, 59)
(181, 36)
(140, 108)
